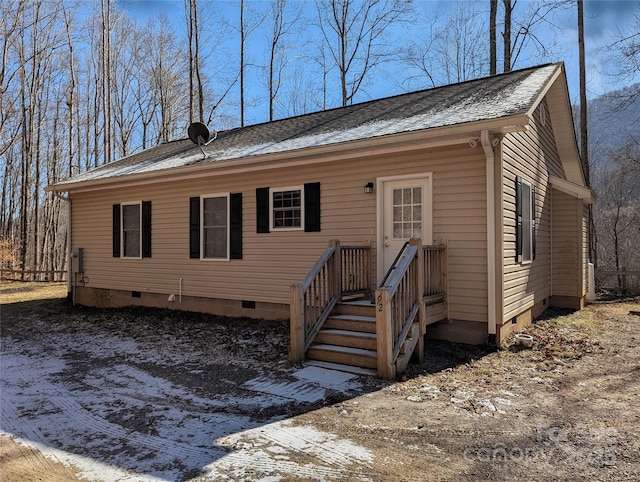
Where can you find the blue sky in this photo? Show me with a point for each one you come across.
(604, 21)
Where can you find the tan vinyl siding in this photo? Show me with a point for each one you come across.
(568, 247)
(533, 156)
(273, 261)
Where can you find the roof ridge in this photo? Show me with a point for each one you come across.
(391, 97)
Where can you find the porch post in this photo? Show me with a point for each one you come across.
(337, 269)
(384, 336)
(419, 349)
(297, 324)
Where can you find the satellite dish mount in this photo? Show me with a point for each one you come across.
(200, 135)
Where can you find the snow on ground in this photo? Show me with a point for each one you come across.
(110, 407)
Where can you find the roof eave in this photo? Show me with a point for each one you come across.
(584, 193)
(559, 106)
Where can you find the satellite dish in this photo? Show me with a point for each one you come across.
(198, 133)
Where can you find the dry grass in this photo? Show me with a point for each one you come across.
(19, 291)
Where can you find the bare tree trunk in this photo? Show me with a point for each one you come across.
(106, 80)
(506, 36)
(354, 33)
(72, 90)
(584, 139)
(27, 128)
(584, 143)
(197, 63)
(280, 28)
(493, 13)
(343, 66)
(616, 245)
(35, 217)
(191, 62)
(196, 91)
(242, 66)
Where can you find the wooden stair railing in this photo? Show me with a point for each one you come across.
(435, 270)
(356, 270)
(398, 303)
(313, 299)
(340, 271)
(412, 294)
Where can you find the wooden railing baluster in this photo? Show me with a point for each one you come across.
(356, 270)
(313, 299)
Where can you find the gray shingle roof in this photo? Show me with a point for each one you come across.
(484, 99)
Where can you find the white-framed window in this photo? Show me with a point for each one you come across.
(131, 228)
(526, 221)
(286, 208)
(214, 237)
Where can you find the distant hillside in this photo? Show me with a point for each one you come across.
(611, 122)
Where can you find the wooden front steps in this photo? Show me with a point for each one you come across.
(347, 339)
(342, 368)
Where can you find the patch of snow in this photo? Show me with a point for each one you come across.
(335, 458)
(325, 377)
(431, 390)
(117, 421)
(487, 404)
(507, 393)
(300, 391)
(461, 396)
(540, 379)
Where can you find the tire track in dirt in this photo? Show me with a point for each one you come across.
(192, 456)
(40, 458)
(21, 461)
(283, 448)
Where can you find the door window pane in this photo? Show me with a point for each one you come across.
(407, 213)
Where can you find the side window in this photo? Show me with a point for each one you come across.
(215, 227)
(525, 221)
(286, 208)
(132, 230)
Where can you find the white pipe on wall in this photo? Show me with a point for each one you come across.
(491, 230)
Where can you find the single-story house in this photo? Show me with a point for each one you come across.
(459, 212)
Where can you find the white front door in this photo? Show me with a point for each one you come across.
(406, 214)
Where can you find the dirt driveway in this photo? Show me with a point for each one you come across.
(156, 395)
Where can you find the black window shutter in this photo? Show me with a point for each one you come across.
(146, 229)
(518, 220)
(236, 226)
(262, 210)
(533, 221)
(116, 230)
(312, 207)
(194, 227)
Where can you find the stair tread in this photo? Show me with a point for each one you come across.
(370, 319)
(343, 349)
(360, 302)
(341, 367)
(359, 334)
